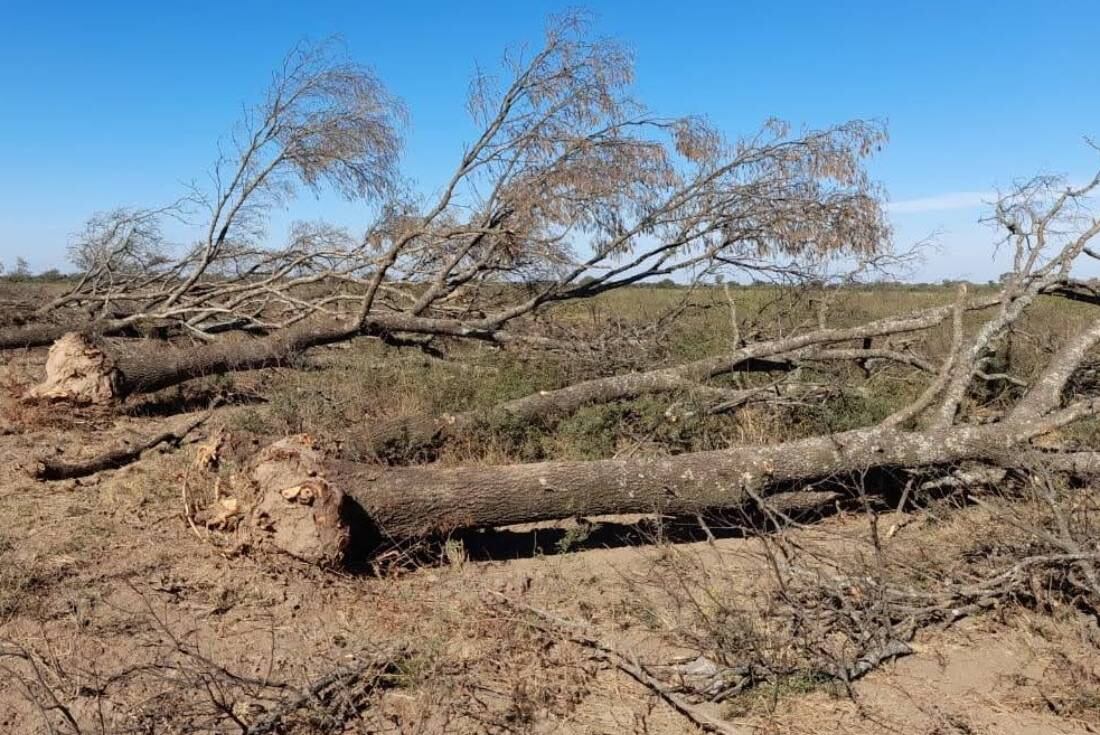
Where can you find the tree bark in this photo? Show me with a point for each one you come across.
(82, 370)
(44, 333)
(30, 333)
(34, 335)
(313, 507)
(145, 368)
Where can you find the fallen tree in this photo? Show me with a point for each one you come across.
(408, 436)
(313, 507)
(83, 369)
(45, 326)
(37, 333)
(570, 189)
(304, 496)
(40, 334)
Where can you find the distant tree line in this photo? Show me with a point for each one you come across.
(21, 272)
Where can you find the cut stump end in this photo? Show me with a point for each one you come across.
(77, 371)
(298, 510)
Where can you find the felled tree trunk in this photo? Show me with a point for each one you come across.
(40, 334)
(22, 334)
(82, 370)
(34, 335)
(77, 360)
(311, 507)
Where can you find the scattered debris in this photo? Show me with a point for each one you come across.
(627, 664)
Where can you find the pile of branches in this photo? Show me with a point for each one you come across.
(829, 614)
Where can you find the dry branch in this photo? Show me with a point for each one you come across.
(374, 669)
(557, 626)
(410, 435)
(52, 469)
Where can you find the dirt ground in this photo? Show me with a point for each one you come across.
(133, 620)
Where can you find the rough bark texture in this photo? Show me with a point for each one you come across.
(146, 370)
(38, 335)
(82, 370)
(411, 502)
(148, 367)
(42, 327)
(402, 503)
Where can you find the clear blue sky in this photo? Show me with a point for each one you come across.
(113, 103)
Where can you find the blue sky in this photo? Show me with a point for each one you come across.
(117, 103)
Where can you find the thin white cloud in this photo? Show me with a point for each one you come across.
(942, 202)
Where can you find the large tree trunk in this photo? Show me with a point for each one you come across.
(145, 371)
(78, 360)
(29, 333)
(35, 335)
(81, 370)
(311, 507)
(40, 334)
